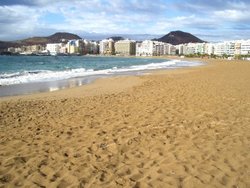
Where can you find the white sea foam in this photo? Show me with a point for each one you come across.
(46, 75)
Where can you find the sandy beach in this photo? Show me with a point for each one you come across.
(172, 128)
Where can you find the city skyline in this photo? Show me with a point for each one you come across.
(209, 20)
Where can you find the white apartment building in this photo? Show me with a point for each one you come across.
(125, 47)
(189, 48)
(154, 48)
(53, 48)
(245, 47)
(237, 48)
(90, 47)
(230, 48)
(180, 49)
(145, 48)
(209, 48)
(200, 48)
(160, 48)
(171, 49)
(75, 46)
(224, 48)
(63, 49)
(15, 50)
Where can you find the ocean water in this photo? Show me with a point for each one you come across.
(31, 69)
(31, 74)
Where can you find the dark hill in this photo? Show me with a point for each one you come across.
(116, 38)
(179, 37)
(55, 38)
(4, 45)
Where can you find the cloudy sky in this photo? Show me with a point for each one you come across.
(211, 20)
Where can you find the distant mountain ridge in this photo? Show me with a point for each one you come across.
(179, 37)
(116, 38)
(55, 38)
(174, 37)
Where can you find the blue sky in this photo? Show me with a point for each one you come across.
(211, 20)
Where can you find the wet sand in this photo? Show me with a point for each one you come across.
(179, 128)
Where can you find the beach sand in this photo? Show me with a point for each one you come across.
(179, 128)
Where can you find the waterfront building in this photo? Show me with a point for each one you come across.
(190, 48)
(209, 48)
(172, 50)
(125, 47)
(30, 49)
(224, 48)
(75, 46)
(130, 47)
(154, 48)
(107, 47)
(90, 47)
(200, 48)
(63, 49)
(145, 48)
(161, 48)
(180, 49)
(237, 48)
(245, 47)
(37, 48)
(80, 46)
(11, 49)
(53, 48)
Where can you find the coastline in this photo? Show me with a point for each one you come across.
(184, 127)
(99, 85)
(47, 81)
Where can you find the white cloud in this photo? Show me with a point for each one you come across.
(16, 20)
(122, 16)
(233, 15)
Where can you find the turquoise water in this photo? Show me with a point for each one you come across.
(31, 69)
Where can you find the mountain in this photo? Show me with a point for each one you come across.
(101, 36)
(179, 37)
(116, 38)
(4, 44)
(55, 38)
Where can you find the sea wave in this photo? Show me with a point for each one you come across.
(47, 75)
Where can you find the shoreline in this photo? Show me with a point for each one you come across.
(53, 85)
(178, 128)
(88, 83)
